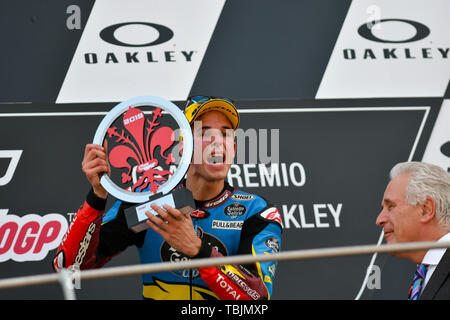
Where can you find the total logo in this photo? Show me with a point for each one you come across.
(30, 237)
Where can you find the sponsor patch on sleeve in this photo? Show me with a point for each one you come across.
(271, 214)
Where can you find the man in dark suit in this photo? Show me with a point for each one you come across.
(416, 207)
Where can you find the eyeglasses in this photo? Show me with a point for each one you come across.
(203, 99)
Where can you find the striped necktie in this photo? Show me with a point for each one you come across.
(419, 277)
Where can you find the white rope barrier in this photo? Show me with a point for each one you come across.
(369, 269)
(237, 259)
(65, 279)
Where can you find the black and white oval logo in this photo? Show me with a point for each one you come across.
(445, 149)
(234, 210)
(366, 31)
(109, 34)
(242, 197)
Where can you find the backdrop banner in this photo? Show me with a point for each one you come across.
(323, 163)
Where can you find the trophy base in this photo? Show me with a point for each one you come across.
(180, 199)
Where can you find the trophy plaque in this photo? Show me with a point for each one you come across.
(143, 137)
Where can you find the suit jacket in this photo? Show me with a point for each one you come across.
(438, 287)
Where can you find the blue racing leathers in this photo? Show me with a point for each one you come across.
(232, 223)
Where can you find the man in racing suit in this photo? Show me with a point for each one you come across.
(226, 221)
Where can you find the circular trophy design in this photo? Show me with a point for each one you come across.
(143, 152)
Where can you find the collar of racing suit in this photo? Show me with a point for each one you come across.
(216, 201)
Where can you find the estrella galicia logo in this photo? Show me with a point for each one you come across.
(234, 210)
(422, 31)
(108, 34)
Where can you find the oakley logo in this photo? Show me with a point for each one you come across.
(445, 149)
(365, 31)
(14, 155)
(108, 34)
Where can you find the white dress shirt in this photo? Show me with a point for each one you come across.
(432, 258)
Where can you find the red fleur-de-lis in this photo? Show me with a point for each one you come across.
(142, 152)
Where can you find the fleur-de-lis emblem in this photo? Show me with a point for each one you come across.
(139, 141)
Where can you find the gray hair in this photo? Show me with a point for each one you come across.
(427, 180)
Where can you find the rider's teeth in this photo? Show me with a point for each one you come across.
(216, 159)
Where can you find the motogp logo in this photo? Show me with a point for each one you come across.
(31, 237)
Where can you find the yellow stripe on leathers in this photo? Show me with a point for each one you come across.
(161, 290)
(258, 267)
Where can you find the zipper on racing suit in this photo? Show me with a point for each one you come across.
(191, 272)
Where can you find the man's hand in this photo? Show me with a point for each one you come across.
(94, 165)
(176, 228)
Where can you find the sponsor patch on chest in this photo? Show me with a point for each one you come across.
(227, 225)
(235, 210)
